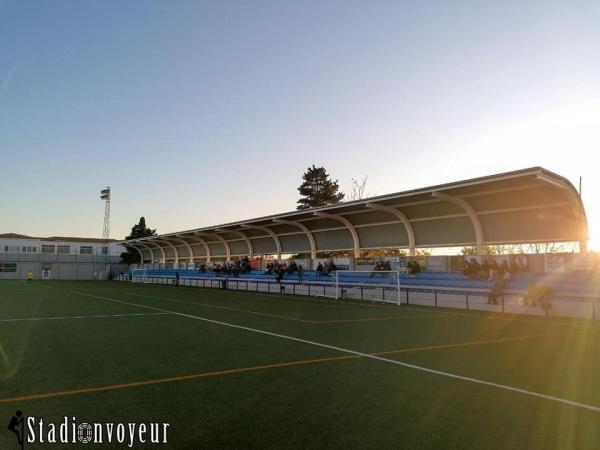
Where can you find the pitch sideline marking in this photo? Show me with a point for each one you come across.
(366, 355)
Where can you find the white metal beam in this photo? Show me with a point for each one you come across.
(140, 252)
(204, 244)
(351, 229)
(270, 233)
(242, 236)
(309, 235)
(170, 244)
(225, 244)
(188, 246)
(582, 229)
(410, 232)
(470, 212)
(151, 244)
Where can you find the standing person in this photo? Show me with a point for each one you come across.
(300, 273)
(544, 301)
(497, 289)
(177, 278)
(29, 276)
(279, 271)
(319, 270)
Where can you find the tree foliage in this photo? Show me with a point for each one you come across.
(140, 230)
(382, 253)
(317, 189)
(519, 249)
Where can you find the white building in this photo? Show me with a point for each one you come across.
(57, 257)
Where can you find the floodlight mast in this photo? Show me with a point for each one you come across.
(105, 195)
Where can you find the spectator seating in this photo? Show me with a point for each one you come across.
(573, 282)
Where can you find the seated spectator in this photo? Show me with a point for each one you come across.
(484, 270)
(514, 267)
(467, 271)
(494, 266)
(475, 269)
(409, 267)
(269, 268)
(332, 267)
(505, 271)
(416, 267)
(375, 269)
(293, 267)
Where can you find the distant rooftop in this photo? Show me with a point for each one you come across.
(54, 238)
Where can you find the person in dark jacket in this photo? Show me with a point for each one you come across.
(319, 270)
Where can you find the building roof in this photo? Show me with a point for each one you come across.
(529, 205)
(55, 238)
(15, 236)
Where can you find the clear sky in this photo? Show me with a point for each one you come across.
(199, 113)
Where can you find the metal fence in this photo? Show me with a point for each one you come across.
(583, 306)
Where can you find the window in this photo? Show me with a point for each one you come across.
(105, 250)
(85, 250)
(64, 249)
(48, 248)
(8, 267)
(12, 249)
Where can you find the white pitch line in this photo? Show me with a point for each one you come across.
(366, 355)
(83, 317)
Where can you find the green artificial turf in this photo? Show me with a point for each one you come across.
(335, 403)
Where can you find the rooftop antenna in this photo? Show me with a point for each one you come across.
(105, 195)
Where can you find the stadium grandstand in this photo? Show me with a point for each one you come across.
(522, 207)
(531, 205)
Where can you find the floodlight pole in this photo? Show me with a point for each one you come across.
(105, 195)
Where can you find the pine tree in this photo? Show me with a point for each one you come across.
(317, 189)
(139, 230)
